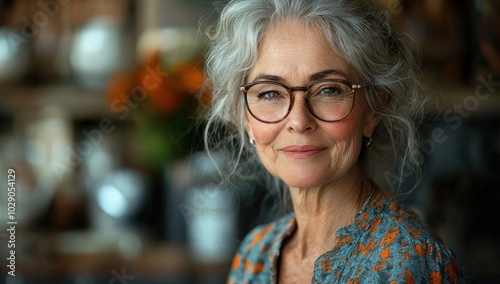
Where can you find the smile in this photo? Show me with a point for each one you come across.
(301, 152)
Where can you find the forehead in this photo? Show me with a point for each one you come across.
(294, 51)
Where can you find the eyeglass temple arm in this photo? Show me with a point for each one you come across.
(359, 86)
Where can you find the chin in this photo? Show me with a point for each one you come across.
(305, 180)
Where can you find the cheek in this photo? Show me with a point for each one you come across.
(353, 125)
(348, 129)
(263, 133)
(342, 130)
(265, 136)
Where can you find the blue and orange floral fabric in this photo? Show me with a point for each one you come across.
(387, 243)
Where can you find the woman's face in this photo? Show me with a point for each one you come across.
(302, 150)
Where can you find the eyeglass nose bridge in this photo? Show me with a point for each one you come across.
(294, 89)
(291, 90)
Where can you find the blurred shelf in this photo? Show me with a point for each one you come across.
(78, 103)
(470, 99)
(38, 260)
(159, 260)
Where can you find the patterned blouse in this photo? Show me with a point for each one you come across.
(387, 243)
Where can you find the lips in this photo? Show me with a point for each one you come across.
(302, 151)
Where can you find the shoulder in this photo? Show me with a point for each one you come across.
(259, 249)
(403, 248)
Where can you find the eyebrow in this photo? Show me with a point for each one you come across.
(326, 73)
(313, 77)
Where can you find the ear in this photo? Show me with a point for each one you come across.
(372, 119)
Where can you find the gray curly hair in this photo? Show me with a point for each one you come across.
(359, 31)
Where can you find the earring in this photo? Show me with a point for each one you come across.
(252, 141)
(369, 141)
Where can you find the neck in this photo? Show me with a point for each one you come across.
(320, 212)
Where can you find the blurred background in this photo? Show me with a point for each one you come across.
(97, 108)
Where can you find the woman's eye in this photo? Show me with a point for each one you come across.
(269, 95)
(330, 91)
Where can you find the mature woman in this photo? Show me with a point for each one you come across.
(317, 89)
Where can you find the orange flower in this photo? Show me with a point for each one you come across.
(190, 76)
(119, 88)
(165, 101)
(173, 87)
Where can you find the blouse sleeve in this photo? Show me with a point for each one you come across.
(419, 262)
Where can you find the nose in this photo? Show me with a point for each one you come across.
(300, 119)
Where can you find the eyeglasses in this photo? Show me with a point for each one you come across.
(327, 100)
